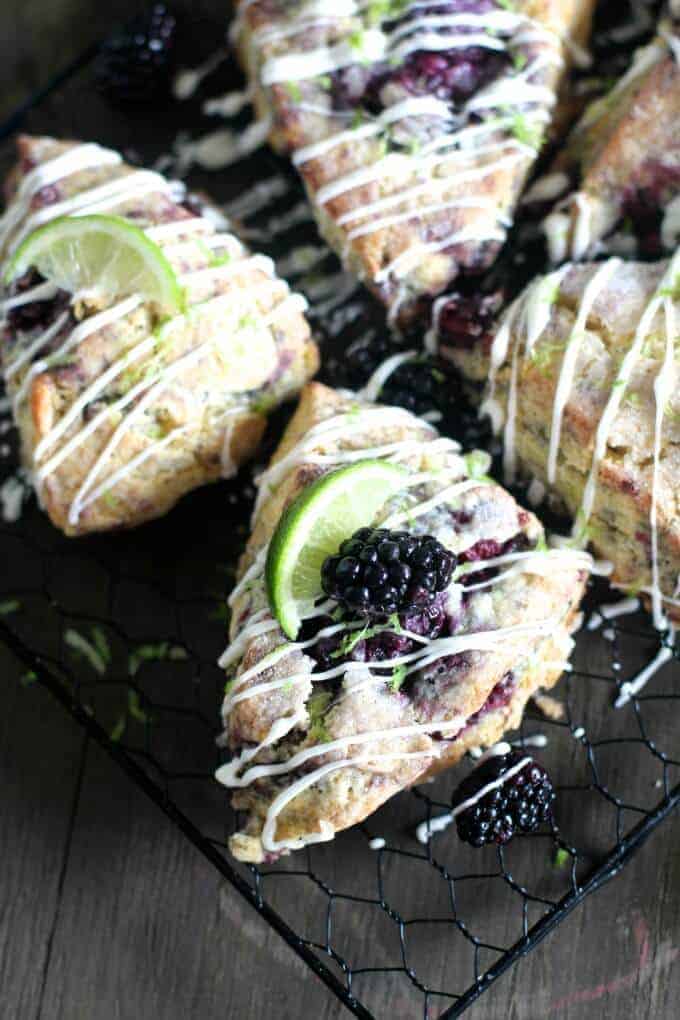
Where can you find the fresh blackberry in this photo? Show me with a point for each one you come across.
(135, 65)
(421, 385)
(520, 804)
(378, 572)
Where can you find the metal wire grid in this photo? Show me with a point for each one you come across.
(149, 606)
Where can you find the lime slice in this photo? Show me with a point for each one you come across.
(312, 528)
(104, 255)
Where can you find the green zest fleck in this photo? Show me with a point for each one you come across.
(561, 859)
(135, 707)
(542, 356)
(526, 132)
(118, 730)
(507, 5)
(520, 61)
(351, 640)
(154, 653)
(356, 39)
(95, 652)
(317, 706)
(9, 606)
(229, 684)
(477, 463)
(294, 91)
(397, 678)
(325, 81)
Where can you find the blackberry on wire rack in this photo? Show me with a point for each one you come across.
(519, 803)
(135, 65)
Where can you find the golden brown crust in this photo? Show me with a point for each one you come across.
(409, 255)
(620, 525)
(458, 689)
(621, 159)
(215, 404)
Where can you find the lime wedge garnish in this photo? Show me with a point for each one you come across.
(312, 528)
(102, 255)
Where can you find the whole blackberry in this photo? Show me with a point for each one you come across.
(520, 804)
(135, 65)
(378, 572)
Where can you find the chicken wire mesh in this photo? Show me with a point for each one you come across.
(125, 630)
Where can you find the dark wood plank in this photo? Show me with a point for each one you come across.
(148, 929)
(41, 752)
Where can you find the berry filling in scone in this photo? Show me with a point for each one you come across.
(617, 178)
(414, 126)
(395, 608)
(581, 381)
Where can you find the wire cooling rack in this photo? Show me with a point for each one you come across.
(125, 630)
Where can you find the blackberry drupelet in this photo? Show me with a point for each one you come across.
(378, 572)
(520, 804)
(135, 65)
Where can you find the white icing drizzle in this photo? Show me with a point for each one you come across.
(533, 740)
(220, 148)
(371, 391)
(377, 843)
(82, 157)
(247, 684)
(441, 822)
(177, 238)
(531, 313)
(546, 188)
(664, 386)
(393, 38)
(598, 282)
(611, 610)
(631, 688)
(188, 79)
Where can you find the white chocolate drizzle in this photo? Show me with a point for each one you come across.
(438, 167)
(441, 822)
(431, 490)
(156, 373)
(529, 317)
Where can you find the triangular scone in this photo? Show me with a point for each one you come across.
(120, 414)
(414, 127)
(621, 164)
(324, 730)
(584, 383)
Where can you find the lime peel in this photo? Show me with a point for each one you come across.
(100, 253)
(327, 512)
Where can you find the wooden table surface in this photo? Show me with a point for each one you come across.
(108, 913)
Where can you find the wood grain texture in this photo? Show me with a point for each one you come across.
(41, 756)
(107, 913)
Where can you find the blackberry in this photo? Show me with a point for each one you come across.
(378, 572)
(134, 66)
(520, 804)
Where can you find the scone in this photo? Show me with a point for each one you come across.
(120, 414)
(618, 176)
(325, 728)
(414, 127)
(584, 384)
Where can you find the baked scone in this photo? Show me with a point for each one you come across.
(584, 383)
(120, 414)
(414, 127)
(324, 729)
(620, 167)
